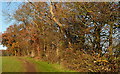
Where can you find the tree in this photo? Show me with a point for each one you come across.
(67, 33)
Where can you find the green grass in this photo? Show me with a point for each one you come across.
(0, 64)
(12, 64)
(42, 66)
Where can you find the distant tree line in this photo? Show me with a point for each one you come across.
(82, 36)
(5, 53)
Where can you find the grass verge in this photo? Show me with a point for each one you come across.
(42, 66)
(12, 64)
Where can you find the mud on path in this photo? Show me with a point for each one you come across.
(28, 65)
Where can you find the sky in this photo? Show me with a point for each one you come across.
(6, 8)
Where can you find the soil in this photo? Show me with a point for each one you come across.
(28, 65)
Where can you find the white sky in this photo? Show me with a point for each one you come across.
(2, 48)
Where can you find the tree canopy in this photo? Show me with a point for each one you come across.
(82, 36)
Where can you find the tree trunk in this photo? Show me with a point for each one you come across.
(15, 53)
(58, 54)
(110, 39)
(32, 53)
(28, 53)
(98, 48)
(110, 36)
(38, 51)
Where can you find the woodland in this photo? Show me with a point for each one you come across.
(81, 36)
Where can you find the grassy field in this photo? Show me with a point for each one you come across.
(12, 64)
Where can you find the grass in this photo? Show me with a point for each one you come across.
(0, 64)
(42, 66)
(12, 64)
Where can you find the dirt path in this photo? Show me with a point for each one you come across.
(28, 65)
